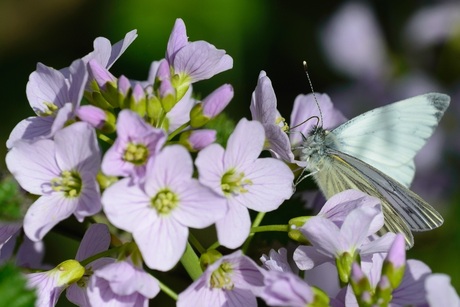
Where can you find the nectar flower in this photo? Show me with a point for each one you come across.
(95, 240)
(53, 98)
(63, 171)
(50, 284)
(121, 284)
(159, 211)
(232, 281)
(193, 61)
(342, 244)
(243, 179)
(263, 109)
(136, 143)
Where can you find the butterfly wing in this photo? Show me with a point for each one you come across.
(403, 209)
(389, 137)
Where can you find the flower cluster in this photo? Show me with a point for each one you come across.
(138, 161)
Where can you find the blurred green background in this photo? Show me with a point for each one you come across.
(363, 54)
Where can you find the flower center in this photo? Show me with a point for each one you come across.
(50, 110)
(234, 182)
(165, 201)
(69, 183)
(221, 277)
(281, 122)
(137, 154)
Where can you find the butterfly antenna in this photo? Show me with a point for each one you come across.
(305, 67)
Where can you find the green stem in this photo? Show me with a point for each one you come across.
(193, 240)
(215, 245)
(256, 223)
(108, 252)
(105, 138)
(167, 290)
(266, 228)
(191, 262)
(177, 131)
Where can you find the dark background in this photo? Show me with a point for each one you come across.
(275, 36)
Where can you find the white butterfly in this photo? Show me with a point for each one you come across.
(374, 153)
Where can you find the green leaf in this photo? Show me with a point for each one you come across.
(13, 290)
(13, 201)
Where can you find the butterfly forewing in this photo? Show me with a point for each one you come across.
(403, 209)
(389, 137)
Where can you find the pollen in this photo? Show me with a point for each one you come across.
(69, 183)
(136, 154)
(234, 183)
(165, 201)
(221, 277)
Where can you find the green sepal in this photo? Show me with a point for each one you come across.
(197, 118)
(70, 271)
(105, 181)
(99, 101)
(394, 275)
(140, 107)
(320, 299)
(168, 102)
(184, 140)
(343, 263)
(209, 258)
(111, 94)
(181, 83)
(154, 109)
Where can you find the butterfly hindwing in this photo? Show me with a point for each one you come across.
(403, 209)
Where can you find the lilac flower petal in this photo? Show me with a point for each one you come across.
(354, 43)
(201, 60)
(380, 245)
(199, 206)
(46, 85)
(63, 116)
(30, 172)
(412, 288)
(47, 288)
(397, 253)
(7, 230)
(440, 291)
(263, 101)
(30, 129)
(279, 144)
(78, 295)
(211, 167)
(276, 261)
(308, 257)
(120, 47)
(126, 205)
(216, 102)
(272, 183)
(180, 113)
(105, 53)
(95, 240)
(78, 79)
(161, 243)
(324, 277)
(201, 295)
(177, 40)
(341, 204)
(237, 219)
(286, 289)
(244, 144)
(89, 202)
(45, 213)
(240, 297)
(170, 167)
(324, 235)
(199, 139)
(31, 254)
(356, 227)
(81, 152)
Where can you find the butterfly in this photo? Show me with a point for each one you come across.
(374, 152)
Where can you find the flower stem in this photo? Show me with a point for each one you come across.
(256, 223)
(193, 240)
(265, 228)
(177, 131)
(167, 290)
(191, 262)
(108, 252)
(105, 138)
